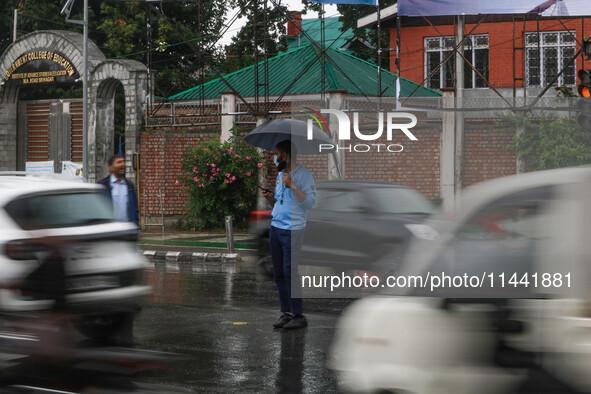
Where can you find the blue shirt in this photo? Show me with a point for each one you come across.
(119, 195)
(288, 213)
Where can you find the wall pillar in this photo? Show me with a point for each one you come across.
(262, 203)
(336, 100)
(228, 101)
(447, 177)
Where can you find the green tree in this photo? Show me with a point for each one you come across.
(253, 37)
(350, 14)
(221, 181)
(548, 141)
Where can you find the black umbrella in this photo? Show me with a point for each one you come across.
(269, 134)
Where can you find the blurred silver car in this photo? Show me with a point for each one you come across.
(39, 217)
(518, 319)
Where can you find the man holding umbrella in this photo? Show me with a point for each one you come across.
(295, 193)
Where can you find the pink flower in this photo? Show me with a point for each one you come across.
(207, 164)
(213, 155)
(248, 174)
(260, 165)
(196, 179)
(227, 174)
(211, 178)
(238, 156)
(232, 179)
(177, 183)
(195, 170)
(247, 157)
(213, 165)
(202, 185)
(226, 181)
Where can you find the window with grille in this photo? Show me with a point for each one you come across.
(438, 49)
(546, 54)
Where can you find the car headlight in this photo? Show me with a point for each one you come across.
(423, 231)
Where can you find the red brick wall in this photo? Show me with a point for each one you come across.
(417, 165)
(161, 154)
(487, 156)
(500, 35)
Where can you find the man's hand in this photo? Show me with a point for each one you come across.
(267, 194)
(287, 180)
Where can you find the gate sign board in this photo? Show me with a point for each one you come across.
(475, 7)
(37, 67)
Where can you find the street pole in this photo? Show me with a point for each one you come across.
(14, 23)
(85, 96)
(459, 115)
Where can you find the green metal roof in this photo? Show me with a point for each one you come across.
(332, 33)
(284, 68)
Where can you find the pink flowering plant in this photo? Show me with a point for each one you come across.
(221, 181)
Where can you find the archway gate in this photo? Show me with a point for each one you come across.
(53, 57)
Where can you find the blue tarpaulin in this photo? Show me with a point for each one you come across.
(366, 2)
(475, 7)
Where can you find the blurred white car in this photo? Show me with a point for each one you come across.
(100, 260)
(523, 326)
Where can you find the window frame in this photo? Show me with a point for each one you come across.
(542, 45)
(442, 49)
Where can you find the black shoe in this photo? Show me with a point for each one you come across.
(283, 320)
(298, 321)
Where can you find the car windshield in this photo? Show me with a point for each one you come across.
(400, 200)
(60, 210)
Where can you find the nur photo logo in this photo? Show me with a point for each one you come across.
(390, 122)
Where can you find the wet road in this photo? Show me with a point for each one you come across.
(220, 316)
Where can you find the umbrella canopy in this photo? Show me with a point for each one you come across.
(269, 134)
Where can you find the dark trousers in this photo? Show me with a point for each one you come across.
(285, 251)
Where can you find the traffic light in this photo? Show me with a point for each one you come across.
(584, 87)
(584, 103)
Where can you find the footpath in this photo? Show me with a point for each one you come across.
(186, 247)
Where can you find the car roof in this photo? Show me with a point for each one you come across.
(13, 186)
(356, 184)
(499, 187)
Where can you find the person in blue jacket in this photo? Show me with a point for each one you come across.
(295, 193)
(121, 191)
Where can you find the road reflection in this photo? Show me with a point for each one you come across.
(220, 315)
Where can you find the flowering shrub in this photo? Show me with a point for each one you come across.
(221, 180)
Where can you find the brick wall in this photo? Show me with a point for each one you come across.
(416, 166)
(161, 154)
(487, 156)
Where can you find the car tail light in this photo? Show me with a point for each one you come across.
(22, 249)
(258, 216)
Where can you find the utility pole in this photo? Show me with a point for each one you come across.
(85, 96)
(14, 23)
(67, 10)
(459, 115)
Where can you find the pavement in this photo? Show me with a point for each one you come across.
(198, 247)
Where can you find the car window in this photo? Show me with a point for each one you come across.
(399, 200)
(502, 239)
(518, 216)
(60, 210)
(339, 200)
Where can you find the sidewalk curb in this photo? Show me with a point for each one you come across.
(160, 256)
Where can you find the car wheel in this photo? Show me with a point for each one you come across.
(387, 258)
(105, 327)
(266, 265)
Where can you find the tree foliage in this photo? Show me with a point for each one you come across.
(350, 14)
(548, 141)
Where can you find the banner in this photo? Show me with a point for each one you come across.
(473, 7)
(366, 2)
(72, 170)
(39, 167)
